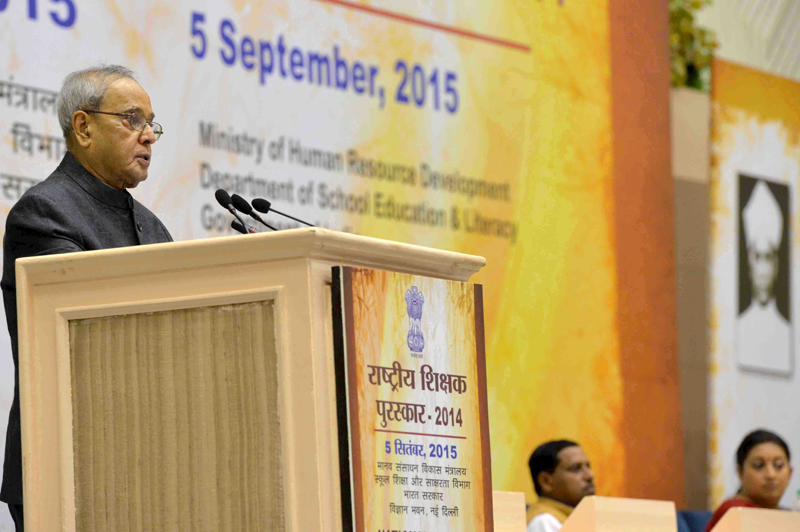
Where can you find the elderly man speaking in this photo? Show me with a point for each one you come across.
(108, 125)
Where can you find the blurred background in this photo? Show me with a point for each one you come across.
(598, 153)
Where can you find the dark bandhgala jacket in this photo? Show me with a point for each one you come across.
(69, 211)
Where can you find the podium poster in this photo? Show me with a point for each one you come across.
(411, 383)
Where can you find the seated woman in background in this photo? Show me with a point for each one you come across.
(762, 461)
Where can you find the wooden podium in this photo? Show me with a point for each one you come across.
(609, 514)
(509, 511)
(758, 520)
(190, 386)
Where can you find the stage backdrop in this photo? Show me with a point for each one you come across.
(755, 176)
(474, 126)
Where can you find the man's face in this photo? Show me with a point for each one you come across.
(763, 261)
(118, 154)
(572, 480)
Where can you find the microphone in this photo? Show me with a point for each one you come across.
(225, 200)
(265, 207)
(242, 205)
(236, 226)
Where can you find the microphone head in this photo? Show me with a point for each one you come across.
(223, 198)
(237, 226)
(241, 204)
(262, 205)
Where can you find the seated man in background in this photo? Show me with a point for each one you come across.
(562, 476)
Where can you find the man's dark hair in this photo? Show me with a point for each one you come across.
(757, 437)
(545, 458)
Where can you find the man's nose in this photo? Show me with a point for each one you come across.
(147, 136)
(588, 474)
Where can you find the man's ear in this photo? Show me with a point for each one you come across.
(81, 129)
(546, 482)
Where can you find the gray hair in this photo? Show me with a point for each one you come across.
(85, 89)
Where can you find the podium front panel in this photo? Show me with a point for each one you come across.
(176, 423)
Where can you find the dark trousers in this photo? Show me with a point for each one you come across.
(17, 516)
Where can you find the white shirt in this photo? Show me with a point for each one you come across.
(764, 339)
(544, 523)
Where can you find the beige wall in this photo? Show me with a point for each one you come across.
(761, 34)
(690, 118)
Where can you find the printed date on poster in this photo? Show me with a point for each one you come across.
(434, 450)
(62, 12)
(422, 86)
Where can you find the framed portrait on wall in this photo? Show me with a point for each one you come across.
(764, 338)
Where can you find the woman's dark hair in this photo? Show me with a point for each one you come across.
(757, 437)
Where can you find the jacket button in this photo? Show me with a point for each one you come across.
(139, 226)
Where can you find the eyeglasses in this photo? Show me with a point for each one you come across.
(136, 122)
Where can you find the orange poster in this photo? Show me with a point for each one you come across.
(410, 363)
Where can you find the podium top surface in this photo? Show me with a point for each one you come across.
(741, 519)
(612, 514)
(313, 243)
